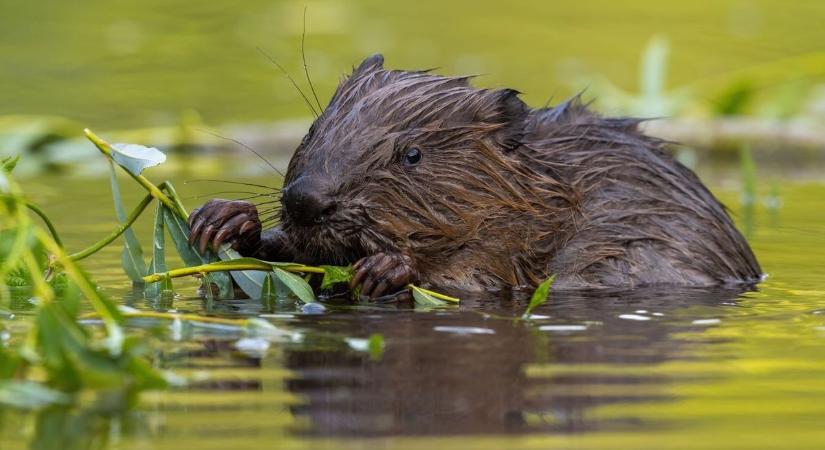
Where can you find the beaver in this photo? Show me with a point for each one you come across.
(414, 177)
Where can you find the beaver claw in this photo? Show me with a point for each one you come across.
(383, 273)
(220, 221)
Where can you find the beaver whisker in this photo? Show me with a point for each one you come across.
(269, 218)
(270, 215)
(271, 205)
(212, 194)
(254, 197)
(304, 59)
(291, 80)
(242, 183)
(236, 141)
(270, 202)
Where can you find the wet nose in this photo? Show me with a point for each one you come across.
(306, 201)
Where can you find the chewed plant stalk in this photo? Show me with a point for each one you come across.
(332, 275)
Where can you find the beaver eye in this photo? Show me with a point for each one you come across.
(412, 157)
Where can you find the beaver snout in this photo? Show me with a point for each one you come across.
(306, 201)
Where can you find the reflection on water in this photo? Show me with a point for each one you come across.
(472, 371)
(639, 369)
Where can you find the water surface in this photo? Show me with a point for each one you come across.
(647, 368)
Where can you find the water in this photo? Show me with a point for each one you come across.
(651, 369)
(116, 64)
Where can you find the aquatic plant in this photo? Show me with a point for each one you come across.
(57, 350)
(539, 297)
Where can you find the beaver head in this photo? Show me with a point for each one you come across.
(414, 163)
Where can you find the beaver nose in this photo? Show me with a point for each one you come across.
(306, 201)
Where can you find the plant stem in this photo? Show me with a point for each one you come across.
(181, 210)
(36, 209)
(114, 234)
(17, 247)
(206, 268)
(110, 316)
(106, 149)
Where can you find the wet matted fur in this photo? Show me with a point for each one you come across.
(505, 195)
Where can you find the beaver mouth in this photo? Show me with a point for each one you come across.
(332, 242)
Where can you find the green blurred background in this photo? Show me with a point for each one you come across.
(121, 64)
(740, 82)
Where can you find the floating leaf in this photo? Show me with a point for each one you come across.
(336, 274)
(435, 295)
(132, 258)
(424, 297)
(540, 296)
(296, 285)
(135, 158)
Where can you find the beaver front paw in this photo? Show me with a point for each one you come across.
(220, 221)
(383, 273)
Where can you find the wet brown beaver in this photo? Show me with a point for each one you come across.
(420, 178)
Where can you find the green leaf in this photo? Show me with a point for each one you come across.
(250, 281)
(275, 291)
(135, 158)
(424, 297)
(132, 258)
(179, 232)
(8, 163)
(440, 296)
(269, 288)
(336, 274)
(158, 262)
(375, 346)
(30, 395)
(296, 285)
(540, 296)
(146, 376)
(10, 361)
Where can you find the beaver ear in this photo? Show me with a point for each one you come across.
(511, 112)
(374, 62)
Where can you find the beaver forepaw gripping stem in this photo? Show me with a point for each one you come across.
(220, 221)
(383, 273)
